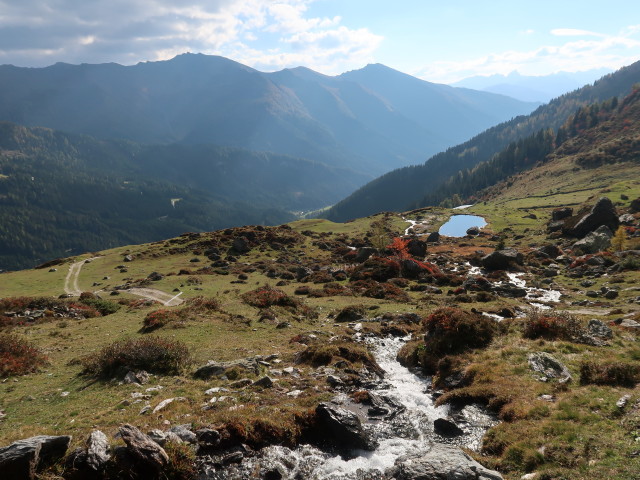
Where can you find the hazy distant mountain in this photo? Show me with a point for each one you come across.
(532, 88)
(408, 187)
(370, 120)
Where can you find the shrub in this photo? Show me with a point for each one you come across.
(452, 330)
(19, 356)
(105, 307)
(615, 374)
(153, 354)
(267, 296)
(562, 326)
(160, 318)
(182, 462)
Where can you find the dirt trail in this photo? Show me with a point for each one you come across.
(165, 298)
(71, 286)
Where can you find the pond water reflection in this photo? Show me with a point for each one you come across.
(458, 224)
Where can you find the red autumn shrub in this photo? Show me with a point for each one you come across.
(19, 356)
(553, 326)
(265, 297)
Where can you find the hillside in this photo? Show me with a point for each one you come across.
(63, 194)
(274, 331)
(406, 187)
(350, 121)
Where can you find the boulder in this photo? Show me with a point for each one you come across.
(634, 206)
(440, 462)
(24, 458)
(602, 213)
(184, 433)
(343, 429)
(140, 377)
(433, 237)
(417, 247)
(474, 231)
(364, 253)
(97, 451)
(208, 437)
(218, 369)
(155, 276)
(627, 219)
(561, 213)
(264, 382)
(148, 458)
(594, 242)
(502, 259)
(549, 366)
(241, 245)
(550, 250)
(598, 328)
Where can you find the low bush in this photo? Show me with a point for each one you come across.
(614, 374)
(326, 354)
(267, 296)
(104, 307)
(153, 354)
(559, 326)
(452, 330)
(160, 318)
(19, 356)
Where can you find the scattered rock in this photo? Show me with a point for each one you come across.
(417, 247)
(561, 213)
(184, 433)
(149, 458)
(440, 462)
(622, 401)
(264, 382)
(218, 369)
(208, 437)
(163, 404)
(433, 237)
(155, 276)
(474, 231)
(549, 366)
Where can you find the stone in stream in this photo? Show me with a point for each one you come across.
(440, 462)
(24, 458)
(343, 429)
(447, 428)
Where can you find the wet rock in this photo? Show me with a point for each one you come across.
(24, 458)
(549, 366)
(343, 429)
(602, 213)
(447, 428)
(598, 328)
(594, 242)
(149, 458)
(502, 259)
(440, 462)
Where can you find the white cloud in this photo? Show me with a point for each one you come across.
(610, 51)
(42, 32)
(574, 32)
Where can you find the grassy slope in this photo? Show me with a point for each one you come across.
(583, 434)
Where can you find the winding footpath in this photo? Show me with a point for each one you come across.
(71, 287)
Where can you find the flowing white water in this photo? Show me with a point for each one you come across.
(408, 432)
(535, 295)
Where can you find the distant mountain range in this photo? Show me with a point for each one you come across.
(413, 186)
(369, 121)
(532, 88)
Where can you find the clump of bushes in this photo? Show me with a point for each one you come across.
(614, 374)
(153, 354)
(267, 296)
(320, 354)
(19, 356)
(104, 307)
(178, 316)
(558, 326)
(452, 330)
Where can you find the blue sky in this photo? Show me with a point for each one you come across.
(441, 41)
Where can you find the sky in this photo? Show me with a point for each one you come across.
(440, 41)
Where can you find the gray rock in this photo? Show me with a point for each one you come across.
(218, 369)
(627, 219)
(155, 276)
(549, 366)
(473, 231)
(97, 450)
(140, 377)
(602, 213)
(343, 428)
(594, 242)
(363, 254)
(264, 382)
(24, 458)
(622, 401)
(158, 436)
(440, 462)
(561, 213)
(147, 454)
(433, 237)
(417, 247)
(598, 328)
(184, 433)
(243, 382)
(208, 437)
(502, 259)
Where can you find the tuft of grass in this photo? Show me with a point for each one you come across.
(153, 354)
(614, 374)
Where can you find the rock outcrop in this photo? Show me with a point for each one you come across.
(23, 459)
